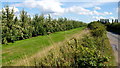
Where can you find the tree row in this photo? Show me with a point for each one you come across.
(17, 28)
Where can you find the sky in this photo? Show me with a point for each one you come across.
(80, 10)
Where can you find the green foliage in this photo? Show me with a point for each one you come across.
(75, 54)
(113, 27)
(27, 27)
(97, 29)
(7, 25)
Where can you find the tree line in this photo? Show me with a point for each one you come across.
(104, 21)
(17, 28)
(113, 27)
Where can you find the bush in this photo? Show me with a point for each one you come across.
(75, 54)
(97, 29)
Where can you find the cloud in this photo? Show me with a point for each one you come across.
(89, 0)
(53, 7)
(98, 18)
(36, 3)
(107, 13)
(101, 17)
(91, 4)
(66, 0)
(83, 11)
(16, 10)
(97, 8)
(112, 17)
(46, 6)
(108, 0)
(10, 8)
(76, 9)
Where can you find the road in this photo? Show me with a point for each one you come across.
(115, 41)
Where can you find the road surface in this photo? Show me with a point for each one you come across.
(115, 43)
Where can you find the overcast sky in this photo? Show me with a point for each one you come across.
(84, 10)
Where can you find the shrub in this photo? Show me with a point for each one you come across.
(97, 29)
(75, 54)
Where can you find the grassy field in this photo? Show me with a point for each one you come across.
(19, 49)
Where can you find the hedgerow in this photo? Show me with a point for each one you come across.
(97, 29)
(75, 53)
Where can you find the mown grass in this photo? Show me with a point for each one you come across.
(18, 50)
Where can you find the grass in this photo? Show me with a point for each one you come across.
(108, 51)
(18, 50)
